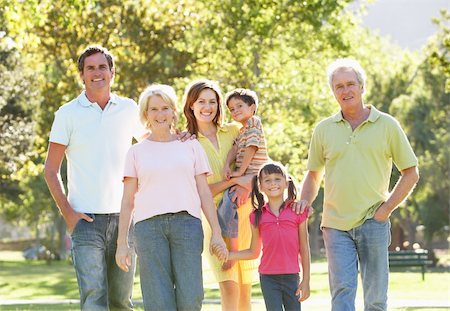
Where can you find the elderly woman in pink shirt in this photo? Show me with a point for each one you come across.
(165, 186)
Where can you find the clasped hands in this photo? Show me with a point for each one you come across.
(218, 247)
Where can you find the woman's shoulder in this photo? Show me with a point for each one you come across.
(231, 126)
(230, 129)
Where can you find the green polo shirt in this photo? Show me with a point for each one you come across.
(357, 165)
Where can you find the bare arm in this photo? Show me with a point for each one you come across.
(303, 289)
(52, 176)
(310, 188)
(401, 191)
(231, 157)
(123, 252)
(252, 252)
(249, 153)
(243, 181)
(217, 244)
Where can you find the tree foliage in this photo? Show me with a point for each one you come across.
(425, 112)
(278, 48)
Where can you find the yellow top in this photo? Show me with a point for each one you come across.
(357, 165)
(246, 271)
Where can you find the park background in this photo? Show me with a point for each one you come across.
(280, 49)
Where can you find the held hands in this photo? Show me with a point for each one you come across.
(217, 247)
(228, 264)
(124, 256)
(303, 291)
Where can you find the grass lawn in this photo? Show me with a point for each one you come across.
(37, 280)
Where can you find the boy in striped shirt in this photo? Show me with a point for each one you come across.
(249, 152)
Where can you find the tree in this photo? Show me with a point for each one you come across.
(18, 101)
(425, 113)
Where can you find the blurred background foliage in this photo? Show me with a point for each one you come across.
(280, 49)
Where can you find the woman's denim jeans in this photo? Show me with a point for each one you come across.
(102, 285)
(169, 249)
(279, 291)
(368, 245)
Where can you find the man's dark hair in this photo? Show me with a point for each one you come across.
(94, 49)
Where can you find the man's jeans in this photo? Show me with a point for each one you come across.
(279, 291)
(102, 285)
(367, 244)
(169, 249)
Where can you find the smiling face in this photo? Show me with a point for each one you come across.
(240, 110)
(160, 115)
(347, 89)
(206, 106)
(96, 74)
(273, 185)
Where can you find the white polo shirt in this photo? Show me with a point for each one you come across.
(97, 142)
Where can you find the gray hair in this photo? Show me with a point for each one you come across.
(346, 63)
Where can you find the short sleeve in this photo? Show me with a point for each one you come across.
(253, 132)
(401, 150)
(201, 164)
(316, 160)
(299, 218)
(61, 128)
(130, 164)
(138, 128)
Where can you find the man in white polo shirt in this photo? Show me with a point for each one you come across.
(94, 132)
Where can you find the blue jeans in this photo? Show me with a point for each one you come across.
(228, 216)
(368, 245)
(169, 249)
(102, 285)
(279, 291)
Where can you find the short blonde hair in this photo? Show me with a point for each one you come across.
(346, 63)
(166, 92)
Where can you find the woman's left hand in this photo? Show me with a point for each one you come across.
(218, 247)
(123, 257)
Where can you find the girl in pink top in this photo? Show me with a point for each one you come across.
(284, 238)
(165, 187)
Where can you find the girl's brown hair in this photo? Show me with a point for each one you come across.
(191, 94)
(258, 198)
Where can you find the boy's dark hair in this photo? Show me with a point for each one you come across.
(247, 96)
(91, 50)
(258, 198)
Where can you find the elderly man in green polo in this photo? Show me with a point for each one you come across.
(356, 148)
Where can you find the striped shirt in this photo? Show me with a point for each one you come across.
(252, 134)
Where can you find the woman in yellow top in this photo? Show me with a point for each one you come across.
(204, 113)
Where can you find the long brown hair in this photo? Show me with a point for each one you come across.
(191, 94)
(258, 198)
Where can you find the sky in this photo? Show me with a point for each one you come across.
(406, 22)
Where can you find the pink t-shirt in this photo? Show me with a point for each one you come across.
(166, 177)
(280, 241)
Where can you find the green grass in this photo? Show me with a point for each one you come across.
(20, 279)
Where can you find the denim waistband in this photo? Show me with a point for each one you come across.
(104, 215)
(172, 214)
